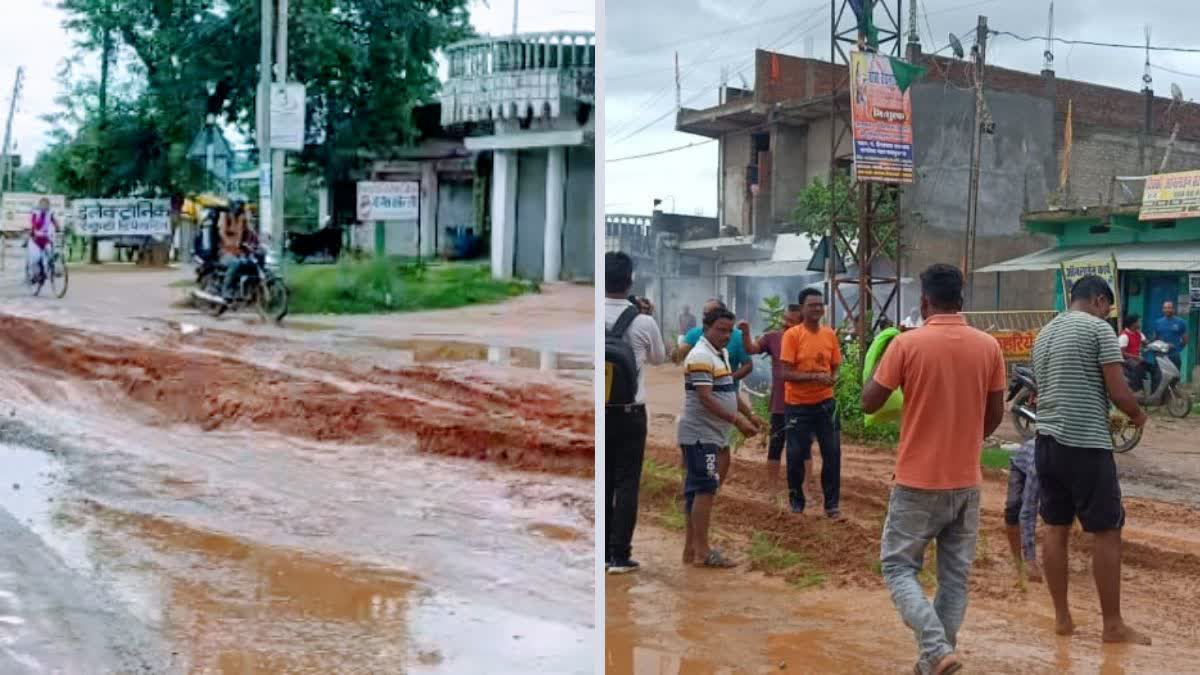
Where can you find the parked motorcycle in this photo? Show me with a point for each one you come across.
(1022, 396)
(258, 287)
(1169, 393)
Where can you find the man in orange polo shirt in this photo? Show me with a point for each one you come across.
(811, 357)
(953, 380)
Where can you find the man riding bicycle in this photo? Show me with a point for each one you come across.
(43, 226)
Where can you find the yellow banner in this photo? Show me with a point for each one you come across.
(1017, 345)
(1169, 196)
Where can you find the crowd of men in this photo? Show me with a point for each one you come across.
(953, 379)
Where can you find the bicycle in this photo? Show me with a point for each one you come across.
(58, 276)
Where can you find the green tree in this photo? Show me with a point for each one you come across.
(772, 309)
(813, 212)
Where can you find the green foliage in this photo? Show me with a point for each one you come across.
(994, 458)
(772, 309)
(366, 65)
(380, 285)
(813, 212)
(848, 393)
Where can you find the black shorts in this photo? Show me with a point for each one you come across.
(700, 465)
(1078, 483)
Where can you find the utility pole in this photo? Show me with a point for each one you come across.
(678, 91)
(106, 50)
(278, 157)
(980, 51)
(12, 111)
(264, 116)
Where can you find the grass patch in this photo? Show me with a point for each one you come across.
(994, 458)
(767, 555)
(659, 480)
(673, 519)
(380, 285)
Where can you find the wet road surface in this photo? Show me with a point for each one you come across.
(207, 501)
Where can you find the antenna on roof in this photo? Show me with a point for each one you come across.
(1146, 78)
(1048, 62)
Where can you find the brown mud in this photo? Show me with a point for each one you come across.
(832, 612)
(542, 426)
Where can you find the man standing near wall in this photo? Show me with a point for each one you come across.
(1173, 331)
(771, 343)
(811, 357)
(686, 320)
(625, 425)
(953, 379)
(1079, 369)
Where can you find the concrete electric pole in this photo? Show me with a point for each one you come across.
(264, 117)
(976, 152)
(278, 164)
(12, 111)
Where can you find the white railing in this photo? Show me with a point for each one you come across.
(518, 77)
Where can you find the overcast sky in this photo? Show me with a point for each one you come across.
(641, 39)
(31, 35)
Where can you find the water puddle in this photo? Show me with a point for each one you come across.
(577, 366)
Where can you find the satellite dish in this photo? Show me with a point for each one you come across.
(1176, 93)
(956, 46)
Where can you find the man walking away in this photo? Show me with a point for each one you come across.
(630, 334)
(687, 320)
(811, 357)
(711, 406)
(771, 343)
(1078, 364)
(1173, 331)
(953, 379)
(1020, 511)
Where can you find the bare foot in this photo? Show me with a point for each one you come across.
(1033, 571)
(947, 663)
(1119, 632)
(1064, 626)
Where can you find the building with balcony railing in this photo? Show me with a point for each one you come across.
(530, 98)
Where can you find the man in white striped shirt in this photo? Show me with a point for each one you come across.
(1079, 367)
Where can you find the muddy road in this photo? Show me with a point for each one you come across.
(825, 609)
(191, 496)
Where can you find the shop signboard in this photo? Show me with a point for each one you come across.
(1170, 196)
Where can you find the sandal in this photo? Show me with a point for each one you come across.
(716, 559)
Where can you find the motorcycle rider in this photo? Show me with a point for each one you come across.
(1131, 340)
(238, 243)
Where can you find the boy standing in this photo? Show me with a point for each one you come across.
(1020, 510)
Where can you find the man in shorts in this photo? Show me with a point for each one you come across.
(711, 407)
(1078, 364)
(771, 343)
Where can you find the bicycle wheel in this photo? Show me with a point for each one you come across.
(58, 276)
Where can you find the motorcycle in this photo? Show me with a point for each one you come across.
(1169, 393)
(1022, 397)
(258, 287)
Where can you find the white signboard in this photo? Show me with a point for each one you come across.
(1194, 288)
(18, 206)
(123, 217)
(287, 116)
(389, 201)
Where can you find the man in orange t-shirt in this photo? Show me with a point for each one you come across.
(953, 380)
(811, 357)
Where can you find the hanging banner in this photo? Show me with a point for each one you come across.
(1105, 269)
(1016, 345)
(1169, 196)
(881, 121)
(399, 200)
(122, 217)
(17, 207)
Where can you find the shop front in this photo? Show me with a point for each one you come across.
(1156, 262)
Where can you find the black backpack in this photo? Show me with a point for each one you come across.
(620, 365)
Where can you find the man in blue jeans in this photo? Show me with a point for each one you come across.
(953, 380)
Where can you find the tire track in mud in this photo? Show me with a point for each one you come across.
(525, 424)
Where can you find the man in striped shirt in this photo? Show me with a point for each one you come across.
(711, 407)
(1078, 365)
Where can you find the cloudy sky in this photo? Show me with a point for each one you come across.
(31, 35)
(641, 39)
